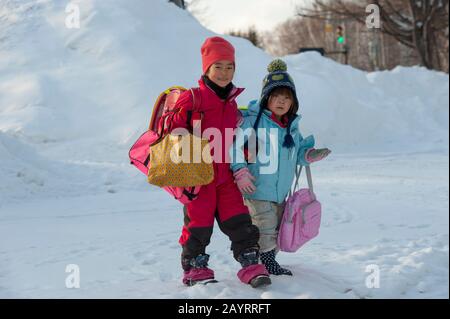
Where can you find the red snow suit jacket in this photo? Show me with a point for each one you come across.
(215, 113)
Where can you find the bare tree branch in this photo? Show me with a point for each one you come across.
(413, 23)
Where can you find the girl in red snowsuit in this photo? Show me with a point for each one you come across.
(221, 199)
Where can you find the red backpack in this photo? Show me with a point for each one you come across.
(163, 111)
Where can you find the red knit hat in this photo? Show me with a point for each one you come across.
(215, 49)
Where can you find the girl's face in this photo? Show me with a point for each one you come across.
(221, 72)
(280, 101)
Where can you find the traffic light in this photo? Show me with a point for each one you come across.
(340, 34)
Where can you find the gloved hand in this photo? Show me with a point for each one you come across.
(243, 178)
(314, 155)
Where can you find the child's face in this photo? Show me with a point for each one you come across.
(280, 102)
(221, 73)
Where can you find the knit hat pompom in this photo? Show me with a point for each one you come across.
(288, 141)
(277, 65)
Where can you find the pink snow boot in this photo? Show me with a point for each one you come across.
(252, 273)
(199, 271)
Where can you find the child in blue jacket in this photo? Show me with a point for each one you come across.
(264, 171)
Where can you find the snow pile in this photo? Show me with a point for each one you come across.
(402, 110)
(22, 168)
(100, 81)
(60, 84)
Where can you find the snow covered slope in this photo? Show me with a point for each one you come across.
(72, 101)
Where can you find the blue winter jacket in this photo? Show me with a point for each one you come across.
(275, 165)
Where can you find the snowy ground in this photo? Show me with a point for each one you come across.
(390, 211)
(72, 102)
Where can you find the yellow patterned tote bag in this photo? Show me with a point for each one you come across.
(181, 161)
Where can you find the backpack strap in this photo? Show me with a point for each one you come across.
(166, 122)
(196, 99)
(309, 177)
(196, 103)
(298, 171)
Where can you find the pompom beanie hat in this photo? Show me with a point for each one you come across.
(278, 77)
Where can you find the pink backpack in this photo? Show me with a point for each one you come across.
(163, 110)
(301, 217)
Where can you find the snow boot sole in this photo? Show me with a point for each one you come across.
(260, 281)
(204, 282)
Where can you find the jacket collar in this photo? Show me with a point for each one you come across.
(283, 123)
(235, 91)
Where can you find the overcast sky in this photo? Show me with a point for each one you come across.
(224, 15)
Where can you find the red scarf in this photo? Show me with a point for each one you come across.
(283, 123)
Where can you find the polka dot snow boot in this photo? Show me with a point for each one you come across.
(272, 266)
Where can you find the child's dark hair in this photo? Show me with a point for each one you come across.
(283, 90)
